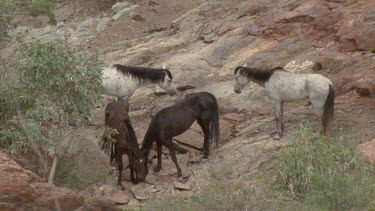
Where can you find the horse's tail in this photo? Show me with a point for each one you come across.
(108, 147)
(328, 110)
(214, 133)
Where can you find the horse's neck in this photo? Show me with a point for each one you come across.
(142, 83)
(262, 84)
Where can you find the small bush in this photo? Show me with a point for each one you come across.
(323, 172)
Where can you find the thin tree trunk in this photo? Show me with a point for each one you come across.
(53, 169)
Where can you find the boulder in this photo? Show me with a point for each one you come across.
(103, 23)
(116, 8)
(124, 11)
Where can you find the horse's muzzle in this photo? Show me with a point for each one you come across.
(237, 91)
(141, 179)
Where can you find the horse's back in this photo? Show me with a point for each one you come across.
(289, 86)
(117, 84)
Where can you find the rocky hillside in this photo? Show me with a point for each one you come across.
(201, 42)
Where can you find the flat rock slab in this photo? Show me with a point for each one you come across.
(120, 197)
(181, 186)
(190, 138)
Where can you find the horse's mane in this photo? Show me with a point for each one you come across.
(144, 73)
(132, 138)
(261, 75)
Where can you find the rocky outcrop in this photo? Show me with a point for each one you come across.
(21, 189)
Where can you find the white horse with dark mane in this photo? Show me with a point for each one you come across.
(121, 81)
(281, 85)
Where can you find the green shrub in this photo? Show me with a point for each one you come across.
(325, 172)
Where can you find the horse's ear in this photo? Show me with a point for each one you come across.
(164, 66)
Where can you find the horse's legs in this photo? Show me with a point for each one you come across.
(318, 99)
(131, 168)
(120, 168)
(206, 130)
(279, 110)
(159, 153)
(174, 159)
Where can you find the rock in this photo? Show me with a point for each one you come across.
(160, 106)
(103, 23)
(151, 179)
(152, 154)
(134, 203)
(120, 197)
(183, 160)
(99, 204)
(190, 138)
(63, 13)
(234, 117)
(88, 23)
(139, 192)
(21, 189)
(347, 45)
(296, 67)
(368, 151)
(196, 159)
(360, 35)
(105, 191)
(124, 11)
(365, 87)
(226, 131)
(138, 17)
(119, 6)
(181, 186)
(365, 39)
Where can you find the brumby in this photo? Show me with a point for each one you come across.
(281, 85)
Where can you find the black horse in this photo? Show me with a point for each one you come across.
(175, 120)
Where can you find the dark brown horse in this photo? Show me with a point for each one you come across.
(175, 120)
(116, 117)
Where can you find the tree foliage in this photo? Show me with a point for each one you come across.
(51, 84)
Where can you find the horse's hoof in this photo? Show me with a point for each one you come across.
(157, 170)
(134, 182)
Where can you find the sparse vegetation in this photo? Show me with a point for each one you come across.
(315, 173)
(328, 173)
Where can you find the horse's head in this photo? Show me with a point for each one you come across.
(241, 79)
(167, 83)
(139, 166)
